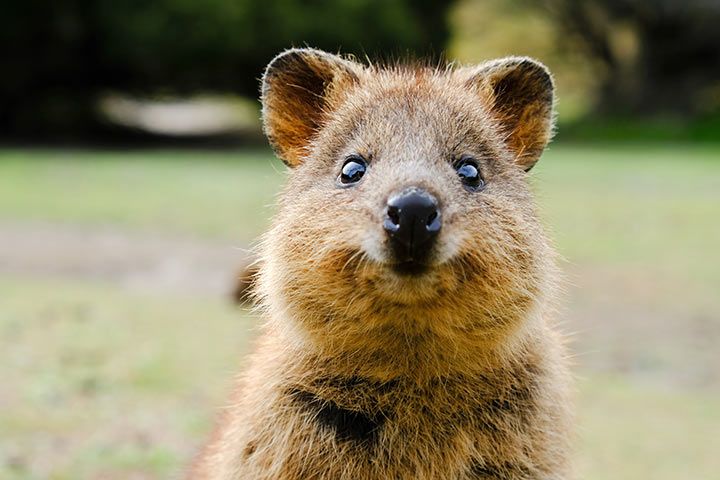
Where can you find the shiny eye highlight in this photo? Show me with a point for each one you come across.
(353, 170)
(469, 173)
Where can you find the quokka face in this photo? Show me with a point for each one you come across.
(407, 209)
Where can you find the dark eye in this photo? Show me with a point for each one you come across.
(467, 170)
(353, 170)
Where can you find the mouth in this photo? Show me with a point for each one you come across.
(403, 281)
(410, 268)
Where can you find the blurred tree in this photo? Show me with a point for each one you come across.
(60, 56)
(654, 57)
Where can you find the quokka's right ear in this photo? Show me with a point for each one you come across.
(299, 87)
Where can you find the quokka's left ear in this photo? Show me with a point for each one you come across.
(520, 92)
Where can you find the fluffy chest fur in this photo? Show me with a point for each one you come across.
(313, 423)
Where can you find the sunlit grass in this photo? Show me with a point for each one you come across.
(637, 431)
(648, 209)
(98, 382)
(222, 194)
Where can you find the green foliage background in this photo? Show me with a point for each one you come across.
(62, 55)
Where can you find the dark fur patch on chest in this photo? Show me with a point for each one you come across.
(499, 472)
(348, 425)
(484, 472)
(509, 402)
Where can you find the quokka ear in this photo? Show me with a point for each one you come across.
(520, 92)
(299, 87)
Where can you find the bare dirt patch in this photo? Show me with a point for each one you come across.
(139, 261)
(637, 324)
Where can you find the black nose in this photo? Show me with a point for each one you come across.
(412, 222)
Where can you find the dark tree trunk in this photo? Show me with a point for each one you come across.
(668, 63)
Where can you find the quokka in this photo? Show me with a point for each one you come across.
(406, 283)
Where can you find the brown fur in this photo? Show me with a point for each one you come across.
(362, 373)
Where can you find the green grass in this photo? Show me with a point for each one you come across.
(103, 382)
(97, 381)
(200, 193)
(644, 432)
(634, 203)
(649, 209)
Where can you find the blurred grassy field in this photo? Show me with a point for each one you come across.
(102, 381)
(194, 193)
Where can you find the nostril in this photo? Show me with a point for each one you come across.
(433, 223)
(431, 218)
(393, 213)
(392, 221)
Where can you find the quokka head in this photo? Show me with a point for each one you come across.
(407, 208)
